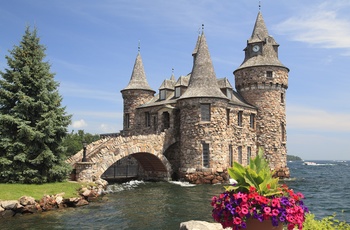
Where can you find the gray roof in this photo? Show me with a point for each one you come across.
(168, 84)
(224, 83)
(203, 82)
(183, 80)
(138, 78)
(260, 31)
(269, 56)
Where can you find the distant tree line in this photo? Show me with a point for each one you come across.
(293, 158)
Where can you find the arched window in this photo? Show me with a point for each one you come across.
(166, 120)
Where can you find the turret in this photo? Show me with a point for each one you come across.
(202, 109)
(262, 80)
(136, 93)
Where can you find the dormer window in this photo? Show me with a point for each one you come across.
(228, 94)
(177, 91)
(162, 94)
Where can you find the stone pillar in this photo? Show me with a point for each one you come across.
(85, 172)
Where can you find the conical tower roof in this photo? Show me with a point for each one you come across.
(203, 82)
(268, 56)
(260, 31)
(138, 78)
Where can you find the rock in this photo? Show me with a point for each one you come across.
(26, 200)
(200, 225)
(81, 202)
(29, 209)
(7, 213)
(86, 193)
(9, 204)
(59, 199)
(1, 209)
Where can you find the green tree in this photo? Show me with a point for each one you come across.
(73, 141)
(32, 120)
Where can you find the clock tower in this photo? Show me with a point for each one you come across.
(262, 80)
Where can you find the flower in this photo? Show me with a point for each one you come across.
(260, 196)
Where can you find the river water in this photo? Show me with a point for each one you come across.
(163, 205)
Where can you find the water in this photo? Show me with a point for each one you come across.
(162, 205)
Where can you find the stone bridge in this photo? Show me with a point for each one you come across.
(146, 149)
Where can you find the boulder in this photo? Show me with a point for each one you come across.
(200, 225)
(9, 204)
(26, 200)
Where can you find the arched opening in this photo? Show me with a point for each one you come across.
(140, 166)
(166, 120)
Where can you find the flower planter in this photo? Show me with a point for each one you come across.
(254, 224)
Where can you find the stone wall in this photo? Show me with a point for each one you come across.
(268, 95)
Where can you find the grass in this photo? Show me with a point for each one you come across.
(15, 191)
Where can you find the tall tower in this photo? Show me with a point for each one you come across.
(136, 93)
(262, 80)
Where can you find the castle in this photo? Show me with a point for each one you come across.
(212, 124)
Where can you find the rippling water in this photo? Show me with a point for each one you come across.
(140, 205)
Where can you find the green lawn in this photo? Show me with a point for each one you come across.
(15, 191)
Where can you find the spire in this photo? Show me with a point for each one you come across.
(138, 77)
(203, 82)
(262, 49)
(172, 78)
(260, 31)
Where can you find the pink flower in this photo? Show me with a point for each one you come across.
(237, 220)
(267, 210)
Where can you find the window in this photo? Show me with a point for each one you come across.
(205, 155)
(283, 132)
(205, 112)
(228, 93)
(249, 154)
(228, 116)
(239, 118)
(127, 121)
(282, 98)
(147, 119)
(177, 92)
(269, 74)
(252, 121)
(166, 120)
(230, 157)
(240, 154)
(162, 94)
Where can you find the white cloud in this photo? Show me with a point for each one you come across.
(79, 124)
(322, 25)
(313, 119)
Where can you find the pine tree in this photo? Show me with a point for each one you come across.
(32, 120)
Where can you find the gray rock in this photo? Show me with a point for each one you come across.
(9, 204)
(200, 225)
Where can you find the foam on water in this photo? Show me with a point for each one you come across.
(124, 186)
(182, 184)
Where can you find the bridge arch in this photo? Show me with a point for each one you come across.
(148, 150)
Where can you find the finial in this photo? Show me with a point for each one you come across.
(202, 28)
(259, 5)
(172, 71)
(139, 47)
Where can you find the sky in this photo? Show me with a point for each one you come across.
(92, 46)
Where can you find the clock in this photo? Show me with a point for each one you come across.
(256, 48)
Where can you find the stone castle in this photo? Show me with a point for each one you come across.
(212, 124)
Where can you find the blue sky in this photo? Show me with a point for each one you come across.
(92, 46)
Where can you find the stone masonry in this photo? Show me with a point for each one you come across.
(198, 125)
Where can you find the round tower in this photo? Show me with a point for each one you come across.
(136, 93)
(262, 80)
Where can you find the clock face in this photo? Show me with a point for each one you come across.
(256, 48)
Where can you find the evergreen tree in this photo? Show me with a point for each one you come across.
(32, 120)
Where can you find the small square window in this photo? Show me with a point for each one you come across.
(269, 74)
